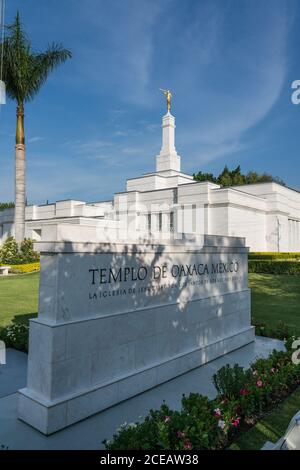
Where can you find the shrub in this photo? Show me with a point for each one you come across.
(201, 426)
(274, 267)
(27, 252)
(16, 336)
(273, 255)
(279, 331)
(229, 380)
(243, 395)
(11, 253)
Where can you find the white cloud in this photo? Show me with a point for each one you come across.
(152, 126)
(32, 140)
(119, 58)
(121, 133)
(248, 80)
(132, 150)
(92, 145)
(213, 152)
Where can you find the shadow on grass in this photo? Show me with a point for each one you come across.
(24, 318)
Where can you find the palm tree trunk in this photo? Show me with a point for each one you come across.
(20, 191)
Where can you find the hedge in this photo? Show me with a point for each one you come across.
(273, 256)
(274, 267)
(15, 335)
(280, 330)
(243, 397)
(24, 268)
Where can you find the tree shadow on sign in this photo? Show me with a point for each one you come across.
(119, 334)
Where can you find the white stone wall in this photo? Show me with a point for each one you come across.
(294, 235)
(6, 224)
(283, 215)
(250, 224)
(268, 215)
(97, 343)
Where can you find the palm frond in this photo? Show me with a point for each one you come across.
(24, 71)
(43, 63)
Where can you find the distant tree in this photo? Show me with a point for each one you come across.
(225, 178)
(251, 177)
(24, 73)
(200, 176)
(236, 177)
(6, 205)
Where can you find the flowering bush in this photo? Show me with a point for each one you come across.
(230, 380)
(25, 268)
(16, 336)
(243, 395)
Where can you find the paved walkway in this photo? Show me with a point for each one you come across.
(90, 433)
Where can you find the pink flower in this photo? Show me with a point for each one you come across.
(244, 391)
(217, 412)
(187, 445)
(259, 383)
(180, 434)
(167, 419)
(235, 421)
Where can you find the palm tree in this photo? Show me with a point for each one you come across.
(24, 72)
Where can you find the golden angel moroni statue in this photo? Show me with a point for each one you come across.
(168, 96)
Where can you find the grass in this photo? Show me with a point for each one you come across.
(18, 298)
(272, 427)
(275, 298)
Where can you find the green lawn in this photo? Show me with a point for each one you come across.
(18, 297)
(272, 427)
(276, 298)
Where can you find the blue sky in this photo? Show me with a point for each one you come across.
(96, 122)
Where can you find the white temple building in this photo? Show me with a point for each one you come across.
(168, 201)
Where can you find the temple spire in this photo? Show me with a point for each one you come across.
(168, 159)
